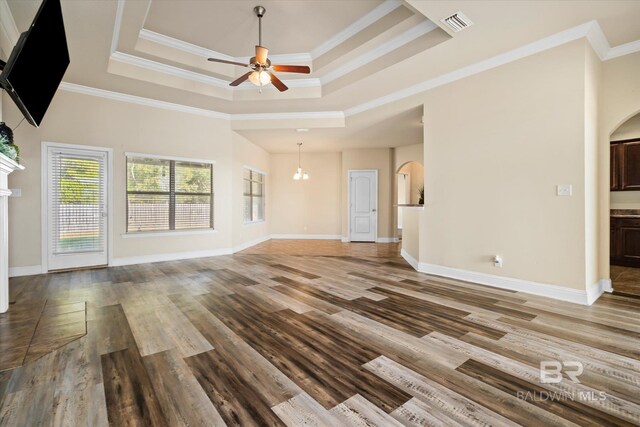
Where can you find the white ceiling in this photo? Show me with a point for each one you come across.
(371, 52)
(231, 27)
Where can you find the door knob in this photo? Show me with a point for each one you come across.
(373, 210)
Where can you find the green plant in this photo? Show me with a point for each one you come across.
(421, 194)
(10, 150)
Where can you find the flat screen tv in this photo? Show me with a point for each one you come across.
(37, 63)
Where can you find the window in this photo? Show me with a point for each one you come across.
(165, 194)
(253, 196)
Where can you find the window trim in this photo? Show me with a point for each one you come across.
(263, 197)
(172, 196)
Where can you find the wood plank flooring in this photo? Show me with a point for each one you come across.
(308, 333)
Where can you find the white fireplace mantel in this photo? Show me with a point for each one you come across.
(6, 167)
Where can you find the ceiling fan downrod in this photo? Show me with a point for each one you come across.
(259, 11)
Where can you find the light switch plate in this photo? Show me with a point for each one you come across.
(563, 190)
(16, 192)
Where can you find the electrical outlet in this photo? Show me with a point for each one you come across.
(563, 190)
(497, 261)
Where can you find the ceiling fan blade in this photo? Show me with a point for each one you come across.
(224, 61)
(261, 54)
(292, 69)
(240, 79)
(277, 82)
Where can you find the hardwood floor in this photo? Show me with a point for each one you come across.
(317, 333)
(626, 280)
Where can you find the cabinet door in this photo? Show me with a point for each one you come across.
(615, 167)
(630, 163)
(613, 240)
(629, 236)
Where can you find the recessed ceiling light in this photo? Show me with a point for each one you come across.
(302, 130)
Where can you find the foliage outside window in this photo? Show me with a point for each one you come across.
(253, 196)
(167, 195)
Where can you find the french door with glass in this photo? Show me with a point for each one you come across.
(76, 208)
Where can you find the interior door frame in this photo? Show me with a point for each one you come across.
(44, 198)
(349, 173)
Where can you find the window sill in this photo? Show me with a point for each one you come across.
(166, 233)
(262, 221)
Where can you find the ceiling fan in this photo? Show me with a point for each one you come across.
(261, 67)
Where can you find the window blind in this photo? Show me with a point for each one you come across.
(253, 196)
(78, 202)
(168, 195)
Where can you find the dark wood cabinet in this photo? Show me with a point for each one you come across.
(625, 165)
(625, 241)
(615, 167)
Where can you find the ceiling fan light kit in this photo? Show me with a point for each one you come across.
(260, 74)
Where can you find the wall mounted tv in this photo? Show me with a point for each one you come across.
(37, 63)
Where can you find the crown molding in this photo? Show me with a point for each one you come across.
(161, 39)
(139, 100)
(289, 116)
(590, 30)
(148, 64)
(623, 49)
(116, 26)
(389, 46)
(376, 14)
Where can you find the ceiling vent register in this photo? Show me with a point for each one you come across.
(457, 22)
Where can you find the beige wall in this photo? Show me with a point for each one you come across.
(628, 130)
(306, 207)
(592, 83)
(248, 155)
(619, 101)
(492, 162)
(86, 120)
(380, 159)
(410, 232)
(401, 156)
(416, 180)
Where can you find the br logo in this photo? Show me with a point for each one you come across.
(551, 371)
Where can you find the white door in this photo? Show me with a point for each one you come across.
(76, 208)
(363, 205)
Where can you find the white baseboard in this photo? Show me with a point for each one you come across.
(29, 270)
(247, 245)
(307, 236)
(576, 296)
(411, 260)
(607, 285)
(144, 259)
(345, 240)
(387, 240)
(597, 289)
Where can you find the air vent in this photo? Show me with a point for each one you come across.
(457, 22)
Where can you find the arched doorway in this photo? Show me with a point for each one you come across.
(410, 188)
(624, 201)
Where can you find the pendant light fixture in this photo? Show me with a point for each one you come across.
(300, 174)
